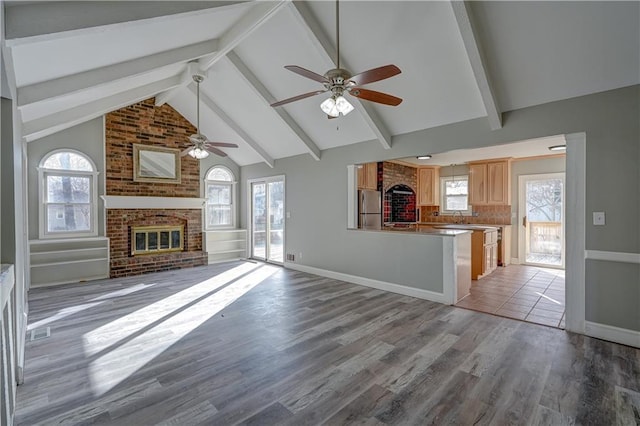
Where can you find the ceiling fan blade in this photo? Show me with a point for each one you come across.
(216, 151)
(297, 98)
(373, 96)
(306, 73)
(375, 74)
(222, 144)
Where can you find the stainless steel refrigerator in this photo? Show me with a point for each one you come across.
(369, 209)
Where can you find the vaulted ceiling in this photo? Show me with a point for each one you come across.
(69, 62)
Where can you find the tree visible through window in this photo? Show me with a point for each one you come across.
(68, 194)
(455, 194)
(219, 192)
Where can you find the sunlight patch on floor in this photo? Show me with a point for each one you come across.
(110, 369)
(62, 313)
(110, 334)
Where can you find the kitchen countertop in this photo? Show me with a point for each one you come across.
(421, 230)
(470, 226)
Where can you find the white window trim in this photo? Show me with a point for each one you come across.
(232, 203)
(443, 211)
(93, 202)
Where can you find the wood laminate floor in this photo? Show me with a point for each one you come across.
(247, 343)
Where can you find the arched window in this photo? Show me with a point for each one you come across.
(219, 192)
(68, 195)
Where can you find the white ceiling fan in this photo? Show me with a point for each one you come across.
(201, 145)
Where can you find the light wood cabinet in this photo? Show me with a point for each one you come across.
(368, 176)
(484, 253)
(477, 184)
(428, 186)
(489, 183)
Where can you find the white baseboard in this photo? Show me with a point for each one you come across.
(515, 261)
(368, 282)
(613, 334)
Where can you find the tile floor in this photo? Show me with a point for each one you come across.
(521, 292)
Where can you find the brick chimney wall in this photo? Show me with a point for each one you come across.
(144, 123)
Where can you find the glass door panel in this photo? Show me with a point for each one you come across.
(258, 221)
(543, 220)
(276, 222)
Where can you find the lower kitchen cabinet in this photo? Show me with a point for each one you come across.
(484, 252)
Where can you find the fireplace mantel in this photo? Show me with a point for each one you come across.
(134, 202)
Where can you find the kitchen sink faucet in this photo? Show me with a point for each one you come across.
(461, 217)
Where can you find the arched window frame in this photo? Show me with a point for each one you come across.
(43, 175)
(209, 205)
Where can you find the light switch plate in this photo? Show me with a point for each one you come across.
(598, 218)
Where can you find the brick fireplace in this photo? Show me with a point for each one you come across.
(143, 204)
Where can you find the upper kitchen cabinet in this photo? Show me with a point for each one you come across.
(489, 182)
(428, 186)
(368, 176)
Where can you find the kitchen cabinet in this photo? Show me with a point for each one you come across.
(484, 252)
(368, 176)
(490, 183)
(428, 186)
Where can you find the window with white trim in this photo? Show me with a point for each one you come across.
(219, 184)
(68, 195)
(454, 193)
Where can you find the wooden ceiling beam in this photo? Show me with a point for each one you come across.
(268, 99)
(321, 42)
(478, 62)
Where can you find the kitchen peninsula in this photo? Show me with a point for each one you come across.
(445, 278)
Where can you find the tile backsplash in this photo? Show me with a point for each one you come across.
(490, 215)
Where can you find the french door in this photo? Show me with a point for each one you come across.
(267, 219)
(541, 208)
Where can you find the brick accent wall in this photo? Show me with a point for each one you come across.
(396, 174)
(144, 123)
(119, 224)
(403, 209)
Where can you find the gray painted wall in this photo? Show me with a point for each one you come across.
(87, 138)
(528, 167)
(317, 198)
(7, 224)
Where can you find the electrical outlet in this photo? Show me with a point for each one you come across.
(300, 255)
(598, 218)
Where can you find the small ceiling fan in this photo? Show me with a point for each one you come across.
(339, 82)
(201, 146)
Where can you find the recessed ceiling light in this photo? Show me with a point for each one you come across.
(558, 148)
(423, 157)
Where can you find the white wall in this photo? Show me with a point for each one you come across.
(317, 194)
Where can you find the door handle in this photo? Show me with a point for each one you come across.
(524, 221)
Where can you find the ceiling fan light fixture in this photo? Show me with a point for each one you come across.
(343, 105)
(198, 153)
(336, 105)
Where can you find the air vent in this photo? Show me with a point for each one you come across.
(40, 333)
(291, 257)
